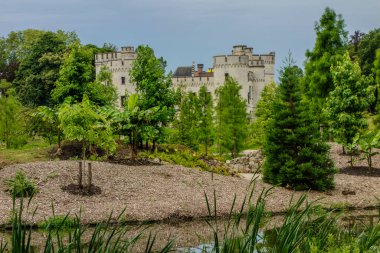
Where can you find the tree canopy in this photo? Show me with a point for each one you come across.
(38, 71)
(77, 78)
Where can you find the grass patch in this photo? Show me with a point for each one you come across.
(58, 222)
(35, 150)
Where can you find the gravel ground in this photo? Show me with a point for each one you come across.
(159, 192)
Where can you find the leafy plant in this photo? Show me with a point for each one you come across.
(20, 185)
(367, 142)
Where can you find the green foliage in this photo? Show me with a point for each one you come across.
(346, 104)
(58, 222)
(231, 118)
(154, 89)
(368, 46)
(206, 131)
(106, 237)
(46, 124)
(329, 47)
(367, 142)
(294, 154)
(182, 155)
(11, 121)
(82, 122)
(188, 120)
(77, 78)
(263, 115)
(131, 121)
(13, 49)
(38, 70)
(20, 185)
(376, 68)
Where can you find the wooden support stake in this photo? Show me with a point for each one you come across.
(80, 175)
(89, 175)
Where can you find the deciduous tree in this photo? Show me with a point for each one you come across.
(38, 71)
(77, 78)
(346, 104)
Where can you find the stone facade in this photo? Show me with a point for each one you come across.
(119, 63)
(251, 71)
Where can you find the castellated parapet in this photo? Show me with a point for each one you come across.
(251, 71)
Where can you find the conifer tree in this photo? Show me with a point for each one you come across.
(188, 120)
(263, 114)
(346, 104)
(231, 117)
(295, 156)
(331, 39)
(206, 127)
(154, 88)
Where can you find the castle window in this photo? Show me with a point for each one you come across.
(122, 63)
(111, 63)
(122, 101)
(226, 75)
(225, 59)
(122, 80)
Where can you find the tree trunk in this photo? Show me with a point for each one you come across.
(89, 175)
(80, 174)
(59, 138)
(154, 145)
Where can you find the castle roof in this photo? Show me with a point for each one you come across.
(183, 71)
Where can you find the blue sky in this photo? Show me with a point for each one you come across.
(183, 31)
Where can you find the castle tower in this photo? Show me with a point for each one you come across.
(119, 64)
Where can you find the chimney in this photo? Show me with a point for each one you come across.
(200, 68)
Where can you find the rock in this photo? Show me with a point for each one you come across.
(250, 162)
(156, 160)
(348, 192)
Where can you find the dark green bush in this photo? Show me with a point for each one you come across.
(20, 185)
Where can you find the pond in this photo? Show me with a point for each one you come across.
(191, 236)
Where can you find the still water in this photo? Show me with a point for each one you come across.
(189, 236)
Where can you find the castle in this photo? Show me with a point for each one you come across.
(251, 71)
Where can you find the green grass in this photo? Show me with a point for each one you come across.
(58, 222)
(35, 150)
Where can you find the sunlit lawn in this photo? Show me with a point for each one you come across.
(35, 150)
